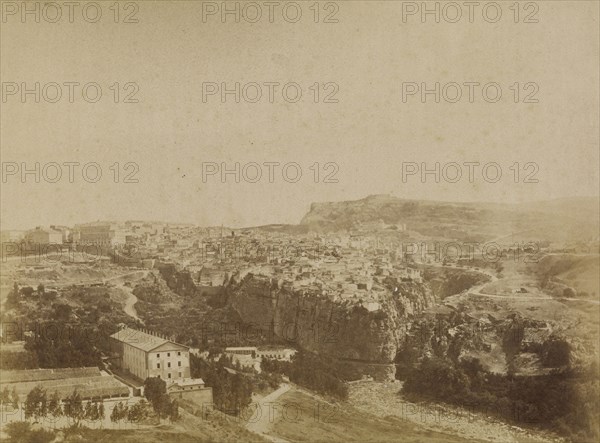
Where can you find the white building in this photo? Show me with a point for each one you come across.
(146, 355)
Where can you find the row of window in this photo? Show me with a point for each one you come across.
(169, 354)
(168, 365)
(169, 375)
(274, 355)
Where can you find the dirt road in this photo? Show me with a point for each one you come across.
(131, 300)
(265, 417)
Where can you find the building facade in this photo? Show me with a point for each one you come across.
(101, 234)
(42, 236)
(276, 353)
(144, 355)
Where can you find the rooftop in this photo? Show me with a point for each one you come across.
(187, 382)
(141, 340)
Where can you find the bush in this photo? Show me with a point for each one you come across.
(438, 378)
(231, 392)
(311, 371)
(563, 401)
(21, 432)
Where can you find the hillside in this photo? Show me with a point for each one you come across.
(579, 273)
(558, 220)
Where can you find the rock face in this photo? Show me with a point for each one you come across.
(181, 282)
(347, 332)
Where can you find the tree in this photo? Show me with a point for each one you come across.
(15, 399)
(119, 412)
(74, 407)
(101, 410)
(439, 378)
(231, 392)
(138, 412)
(14, 296)
(91, 411)
(154, 387)
(36, 403)
(64, 350)
(114, 415)
(174, 410)
(5, 396)
(155, 390)
(54, 406)
(162, 406)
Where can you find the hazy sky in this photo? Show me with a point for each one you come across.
(368, 133)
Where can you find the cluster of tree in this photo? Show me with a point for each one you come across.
(56, 347)
(555, 352)
(18, 360)
(9, 398)
(564, 401)
(119, 412)
(38, 405)
(430, 337)
(268, 381)
(155, 390)
(312, 371)
(151, 292)
(64, 336)
(182, 323)
(28, 292)
(275, 366)
(135, 413)
(232, 390)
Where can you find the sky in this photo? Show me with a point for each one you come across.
(172, 131)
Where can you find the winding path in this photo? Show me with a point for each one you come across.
(129, 308)
(476, 290)
(131, 300)
(265, 419)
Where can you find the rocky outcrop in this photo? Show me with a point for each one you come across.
(339, 329)
(179, 281)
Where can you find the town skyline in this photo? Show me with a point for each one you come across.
(42, 222)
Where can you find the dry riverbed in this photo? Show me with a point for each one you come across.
(383, 400)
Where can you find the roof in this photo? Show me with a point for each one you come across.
(27, 375)
(274, 348)
(88, 387)
(187, 382)
(142, 340)
(46, 230)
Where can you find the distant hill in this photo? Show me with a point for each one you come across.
(283, 228)
(564, 220)
(577, 272)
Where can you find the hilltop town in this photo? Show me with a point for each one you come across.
(226, 318)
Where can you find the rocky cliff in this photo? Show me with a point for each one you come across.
(181, 282)
(342, 330)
